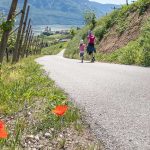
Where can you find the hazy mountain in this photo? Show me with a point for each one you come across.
(60, 11)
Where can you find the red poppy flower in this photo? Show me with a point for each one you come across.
(3, 132)
(60, 110)
(1, 124)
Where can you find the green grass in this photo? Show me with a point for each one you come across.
(24, 83)
(54, 49)
(20, 83)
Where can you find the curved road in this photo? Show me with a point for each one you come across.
(115, 97)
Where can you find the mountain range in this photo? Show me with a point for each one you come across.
(63, 12)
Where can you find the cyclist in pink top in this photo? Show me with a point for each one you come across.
(82, 48)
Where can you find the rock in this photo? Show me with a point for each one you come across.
(32, 146)
(40, 146)
(37, 138)
(76, 142)
(29, 113)
(30, 137)
(48, 135)
(29, 142)
(25, 144)
(61, 136)
(12, 117)
(52, 129)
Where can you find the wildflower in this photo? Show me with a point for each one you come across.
(1, 125)
(3, 132)
(60, 110)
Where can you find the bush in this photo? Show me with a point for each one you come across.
(128, 54)
(145, 43)
(99, 32)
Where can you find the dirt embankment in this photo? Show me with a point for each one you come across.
(113, 40)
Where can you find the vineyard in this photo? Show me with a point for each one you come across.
(18, 42)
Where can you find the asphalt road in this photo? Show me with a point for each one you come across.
(116, 98)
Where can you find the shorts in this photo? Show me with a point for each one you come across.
(91, 48)
(81, 54)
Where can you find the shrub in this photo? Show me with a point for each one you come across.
(145, 43)
(99, 32)
(129, 53)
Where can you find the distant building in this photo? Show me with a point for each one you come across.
(47, 31)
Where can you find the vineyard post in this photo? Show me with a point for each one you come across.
(34, 50)
(7, 55)
(23, 31)
(41, 45)
(37, 46)
(36, 43)
(25, 39)
(32, 42)
(15, 52)
(6, 33)
(28, 43)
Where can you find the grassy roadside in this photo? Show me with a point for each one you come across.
(22, 84)
(54, 49)
(27, 98)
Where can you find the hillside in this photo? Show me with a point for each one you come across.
(60, 12)
(123, 36)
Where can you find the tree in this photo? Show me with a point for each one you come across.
(72, 32)
(24, 46)
(6, 28)
(90, 18)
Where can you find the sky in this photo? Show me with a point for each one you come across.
(112, 1)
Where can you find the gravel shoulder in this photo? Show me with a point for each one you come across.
(116, 98)
(74, 137)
